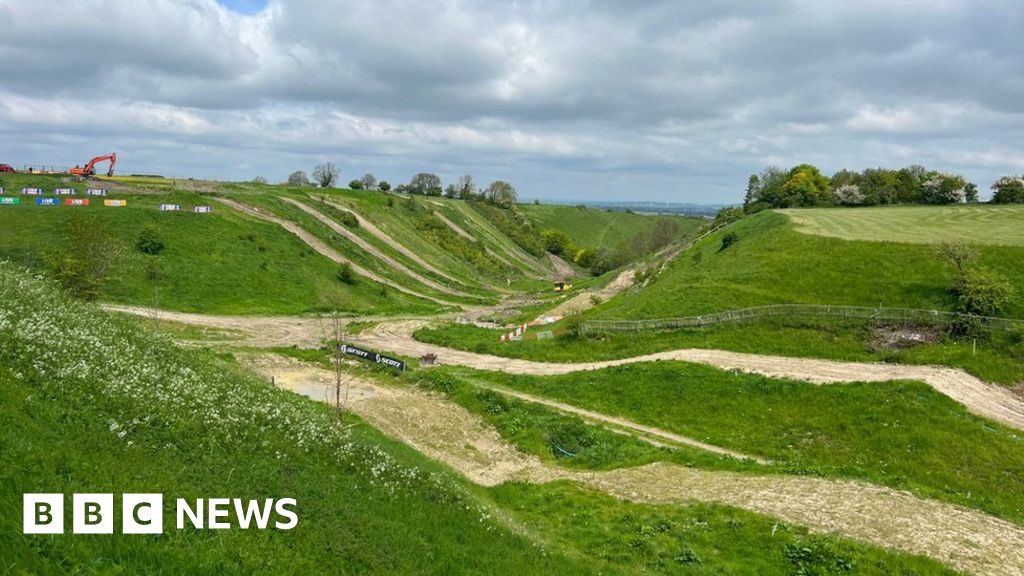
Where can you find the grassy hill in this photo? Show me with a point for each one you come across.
(91, 403)
(221, 262)
(771, 263)
(595, 228)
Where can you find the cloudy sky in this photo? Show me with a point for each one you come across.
(601, 99)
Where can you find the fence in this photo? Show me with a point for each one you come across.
(910, 316)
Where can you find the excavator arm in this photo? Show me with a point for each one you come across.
(90, 167)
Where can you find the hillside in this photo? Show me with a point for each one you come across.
(219, 262)
(771, 263)
(596, 228)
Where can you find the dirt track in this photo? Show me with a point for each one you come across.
(960, 537)
(374, 251)
(325, 250)
(385, 238)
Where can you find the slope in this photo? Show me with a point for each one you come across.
(771, 263)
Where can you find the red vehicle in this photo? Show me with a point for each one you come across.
(90, 167)
(6, 168)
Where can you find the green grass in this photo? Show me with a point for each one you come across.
(696, 539)
(596, 228)
(997, 358)
(218, 263)
(974, 224)
(900, 434)
(772, 263)
(120, 410)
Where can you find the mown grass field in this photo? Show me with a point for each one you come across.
(90, 403)
(975, 224)
(900, 434)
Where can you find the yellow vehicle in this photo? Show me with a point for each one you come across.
(563, 286)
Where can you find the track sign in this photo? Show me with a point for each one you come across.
(96, 192)
(170, 207)
(64, 191)
(48, 201)
(2, 190)
(9, 200)
(115, 203)
(32, 191)
(372, 357)
(77, 201)
(202, 209)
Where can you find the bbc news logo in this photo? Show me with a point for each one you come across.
(144, 513)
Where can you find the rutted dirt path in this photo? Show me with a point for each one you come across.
(385, 238)
(562, 268)
(586, 300)
(458, 230)
(621, 424)
(373, 250)
(395, 335)
(979, 397)
(325, 250)
(960, 537)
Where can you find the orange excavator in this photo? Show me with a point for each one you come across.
(90, 167)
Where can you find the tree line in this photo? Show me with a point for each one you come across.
(498, 193)
(804, 185)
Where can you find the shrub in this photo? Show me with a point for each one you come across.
(150, 242)
(557, 242)
(345, 273)
(983, 292)
(348, 219)
(728, 240)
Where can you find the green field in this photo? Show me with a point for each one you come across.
(119, 410)
(976, 224)
(596, 228)
(772, 263)
(901, 434)
(221, 263)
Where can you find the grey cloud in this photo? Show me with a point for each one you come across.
(570, 98)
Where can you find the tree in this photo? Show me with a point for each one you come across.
(764, 190)
(1008, 190)
(451, 191)
(355, 185)
(958, 254)
(806, 186)
(384, 186)
(426, 184)
(89, 252)
(940, 188)
(326, 174)
(971, 193)
(848, 195)
(259, 180)
(465, 187)
(558, 243)
(298, 178)
(369, 182)
(501, 193)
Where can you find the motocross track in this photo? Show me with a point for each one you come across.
(325, 250)
(962, 538)
(374, 251)
(385, 238)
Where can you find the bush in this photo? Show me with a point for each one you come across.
(728, 240)
(150, 242)
(348, 219)
(982, 292)
(345, 273)
(557, 242)
(355, 185)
